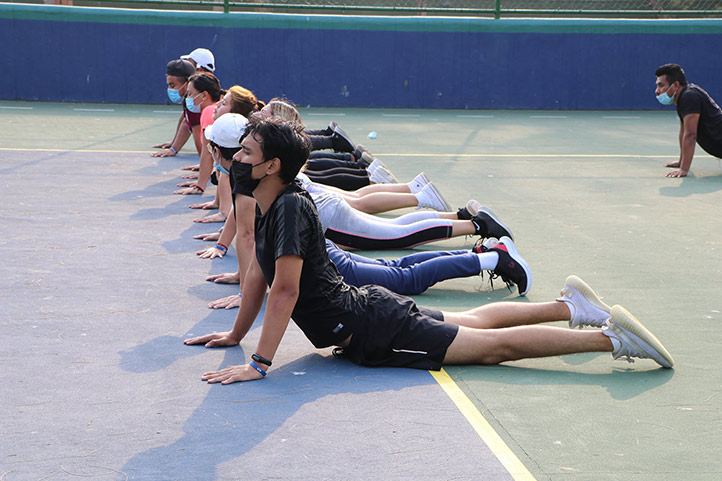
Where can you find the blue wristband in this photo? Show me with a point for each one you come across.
(221, 248)
(240, 294)
(257, 368)
(174, 150)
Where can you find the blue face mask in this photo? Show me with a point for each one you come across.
(174, 96)
(664, 98)
(191, 106)
(220, 168)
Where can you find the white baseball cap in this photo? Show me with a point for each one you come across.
(227, 130)
(203, 58)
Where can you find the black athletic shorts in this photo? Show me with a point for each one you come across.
(398, 333)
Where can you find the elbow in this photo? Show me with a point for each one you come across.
(285, 293)
(245, 237)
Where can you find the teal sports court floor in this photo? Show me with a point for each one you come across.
(100, 285)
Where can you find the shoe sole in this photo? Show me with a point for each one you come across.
(638, 335)
(587, 292)
(440, 198)
(472, 207)
(514, 254)
(344, 136)
(492, 214)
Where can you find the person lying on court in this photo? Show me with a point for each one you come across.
(371, 325)
(177, 74)
(700, 118)
(415, 273)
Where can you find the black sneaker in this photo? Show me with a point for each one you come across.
(512, 268)
(341, 141)
(487, 224)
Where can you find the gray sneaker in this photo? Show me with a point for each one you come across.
(631, 339)
(586, 307)
(430, 197)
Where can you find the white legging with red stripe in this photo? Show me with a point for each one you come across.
(353, 229)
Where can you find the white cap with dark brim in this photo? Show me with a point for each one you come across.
(203, 58)
(227, 130)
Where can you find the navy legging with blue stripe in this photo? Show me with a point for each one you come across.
(408, 275)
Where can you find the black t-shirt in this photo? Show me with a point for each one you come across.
(694, 100)
(327, 309)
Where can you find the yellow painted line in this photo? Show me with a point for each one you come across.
(543, 156)
(497, 445)
(522, 156)
(149, 151)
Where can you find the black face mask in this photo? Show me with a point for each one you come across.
(241, 176)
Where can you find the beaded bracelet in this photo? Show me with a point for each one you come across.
(199, 188)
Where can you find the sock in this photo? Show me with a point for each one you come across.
(616, 343)
(488, 260)
(419, 202)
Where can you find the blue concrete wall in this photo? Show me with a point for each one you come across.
(59, 53)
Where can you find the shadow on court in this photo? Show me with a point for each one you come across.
(100, 285)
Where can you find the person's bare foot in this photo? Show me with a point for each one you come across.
(217, 217)
(225, 278)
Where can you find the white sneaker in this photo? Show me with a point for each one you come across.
(430, 197)
(418, 183)
(631, 339)
(586, 307)
(382, 175)
(375, 164)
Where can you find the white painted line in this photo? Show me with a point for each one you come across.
(400, 115)
(94, 110)
(327, 115)
(475, 116)
(16, 108)
(547, 116)
(166, 112)
(620, 117)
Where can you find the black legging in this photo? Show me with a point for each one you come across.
(340, 177)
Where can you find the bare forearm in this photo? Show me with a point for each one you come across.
(250, 307)
(245, 251)
(181, 135)
(687, 151)
(278, 312)
(229, 230)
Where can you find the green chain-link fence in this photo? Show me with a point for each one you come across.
(495, 8)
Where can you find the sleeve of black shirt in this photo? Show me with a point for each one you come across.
(291, 226)
(690, 102)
